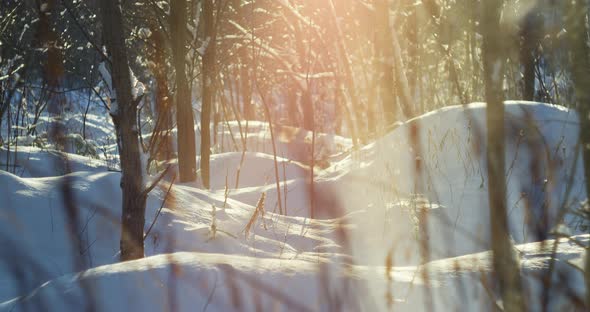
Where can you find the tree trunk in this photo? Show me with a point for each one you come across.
(577, 37)
(208, 89)
(292, 107)
(505, 265)
(308, 112)
(246, 88)
(134, 198)
(384, 68)
(187, 163)
(401, 81)
(162, 147)
(527, 54)
(347, 82)
(304, 67)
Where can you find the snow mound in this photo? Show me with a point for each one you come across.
(185, 281)
(63, 224)
(254, 169)
(34, 162)
(544, 179)
(220, 249)
(291, 143)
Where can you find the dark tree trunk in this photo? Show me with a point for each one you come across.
(163, 147)
(505, 266)
(528, 63)
(208, 89)
(529, 40)
(577, 37)
(187, 162)
(134, 198)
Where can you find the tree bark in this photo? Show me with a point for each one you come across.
(187, 163)
(162, 147)
(134, 198)
(527, 54)
(505, 265)
(208, 89)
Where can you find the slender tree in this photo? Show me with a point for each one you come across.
(384, 55)
(245, 85)
(529, 39)
(124, 114)
(160, 140)
(187, 162)
(505, 265)
(208, 87)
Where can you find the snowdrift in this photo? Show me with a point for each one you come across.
(188, 281)
(214, 249)
(544, 178)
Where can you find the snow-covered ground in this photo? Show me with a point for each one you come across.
(185, 281)
(363, 250)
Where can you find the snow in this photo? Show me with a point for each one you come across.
(454, 177)
(230, 282)
(205, 250)
(201, 50)
(137, 87)
(144, 33)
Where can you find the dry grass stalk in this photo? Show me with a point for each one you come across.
(259, 210)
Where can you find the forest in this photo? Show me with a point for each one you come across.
(294, 155)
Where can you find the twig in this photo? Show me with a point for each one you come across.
(158, 179)
(274, 147)
(160, 210)
(210, 297)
